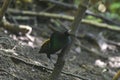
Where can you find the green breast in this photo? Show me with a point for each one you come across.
(58, 41)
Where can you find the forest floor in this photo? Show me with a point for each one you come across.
(17, 53)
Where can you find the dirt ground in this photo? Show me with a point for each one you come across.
(79, 62)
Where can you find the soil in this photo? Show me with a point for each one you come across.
(78, 61)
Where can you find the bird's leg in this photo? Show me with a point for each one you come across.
(49, 56)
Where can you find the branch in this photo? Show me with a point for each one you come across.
(12, 27)
(15, 28)
(61, 4)
(61, 57)
(4, 8)
(71, 6)
(116, 76)
(14, 56)
(95, 53)
(70, 18)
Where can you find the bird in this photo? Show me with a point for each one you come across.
(57, 41)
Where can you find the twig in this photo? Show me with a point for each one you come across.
(30, 62)
(71, 6)
(74, 75)
(112, 42)
(16, 29)
(107, 20)
(70, 18)
(117, 75)
(61, 57)
(61, 4)
(95, 53)
(12, 27)
(4, 8)
(12, 74)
